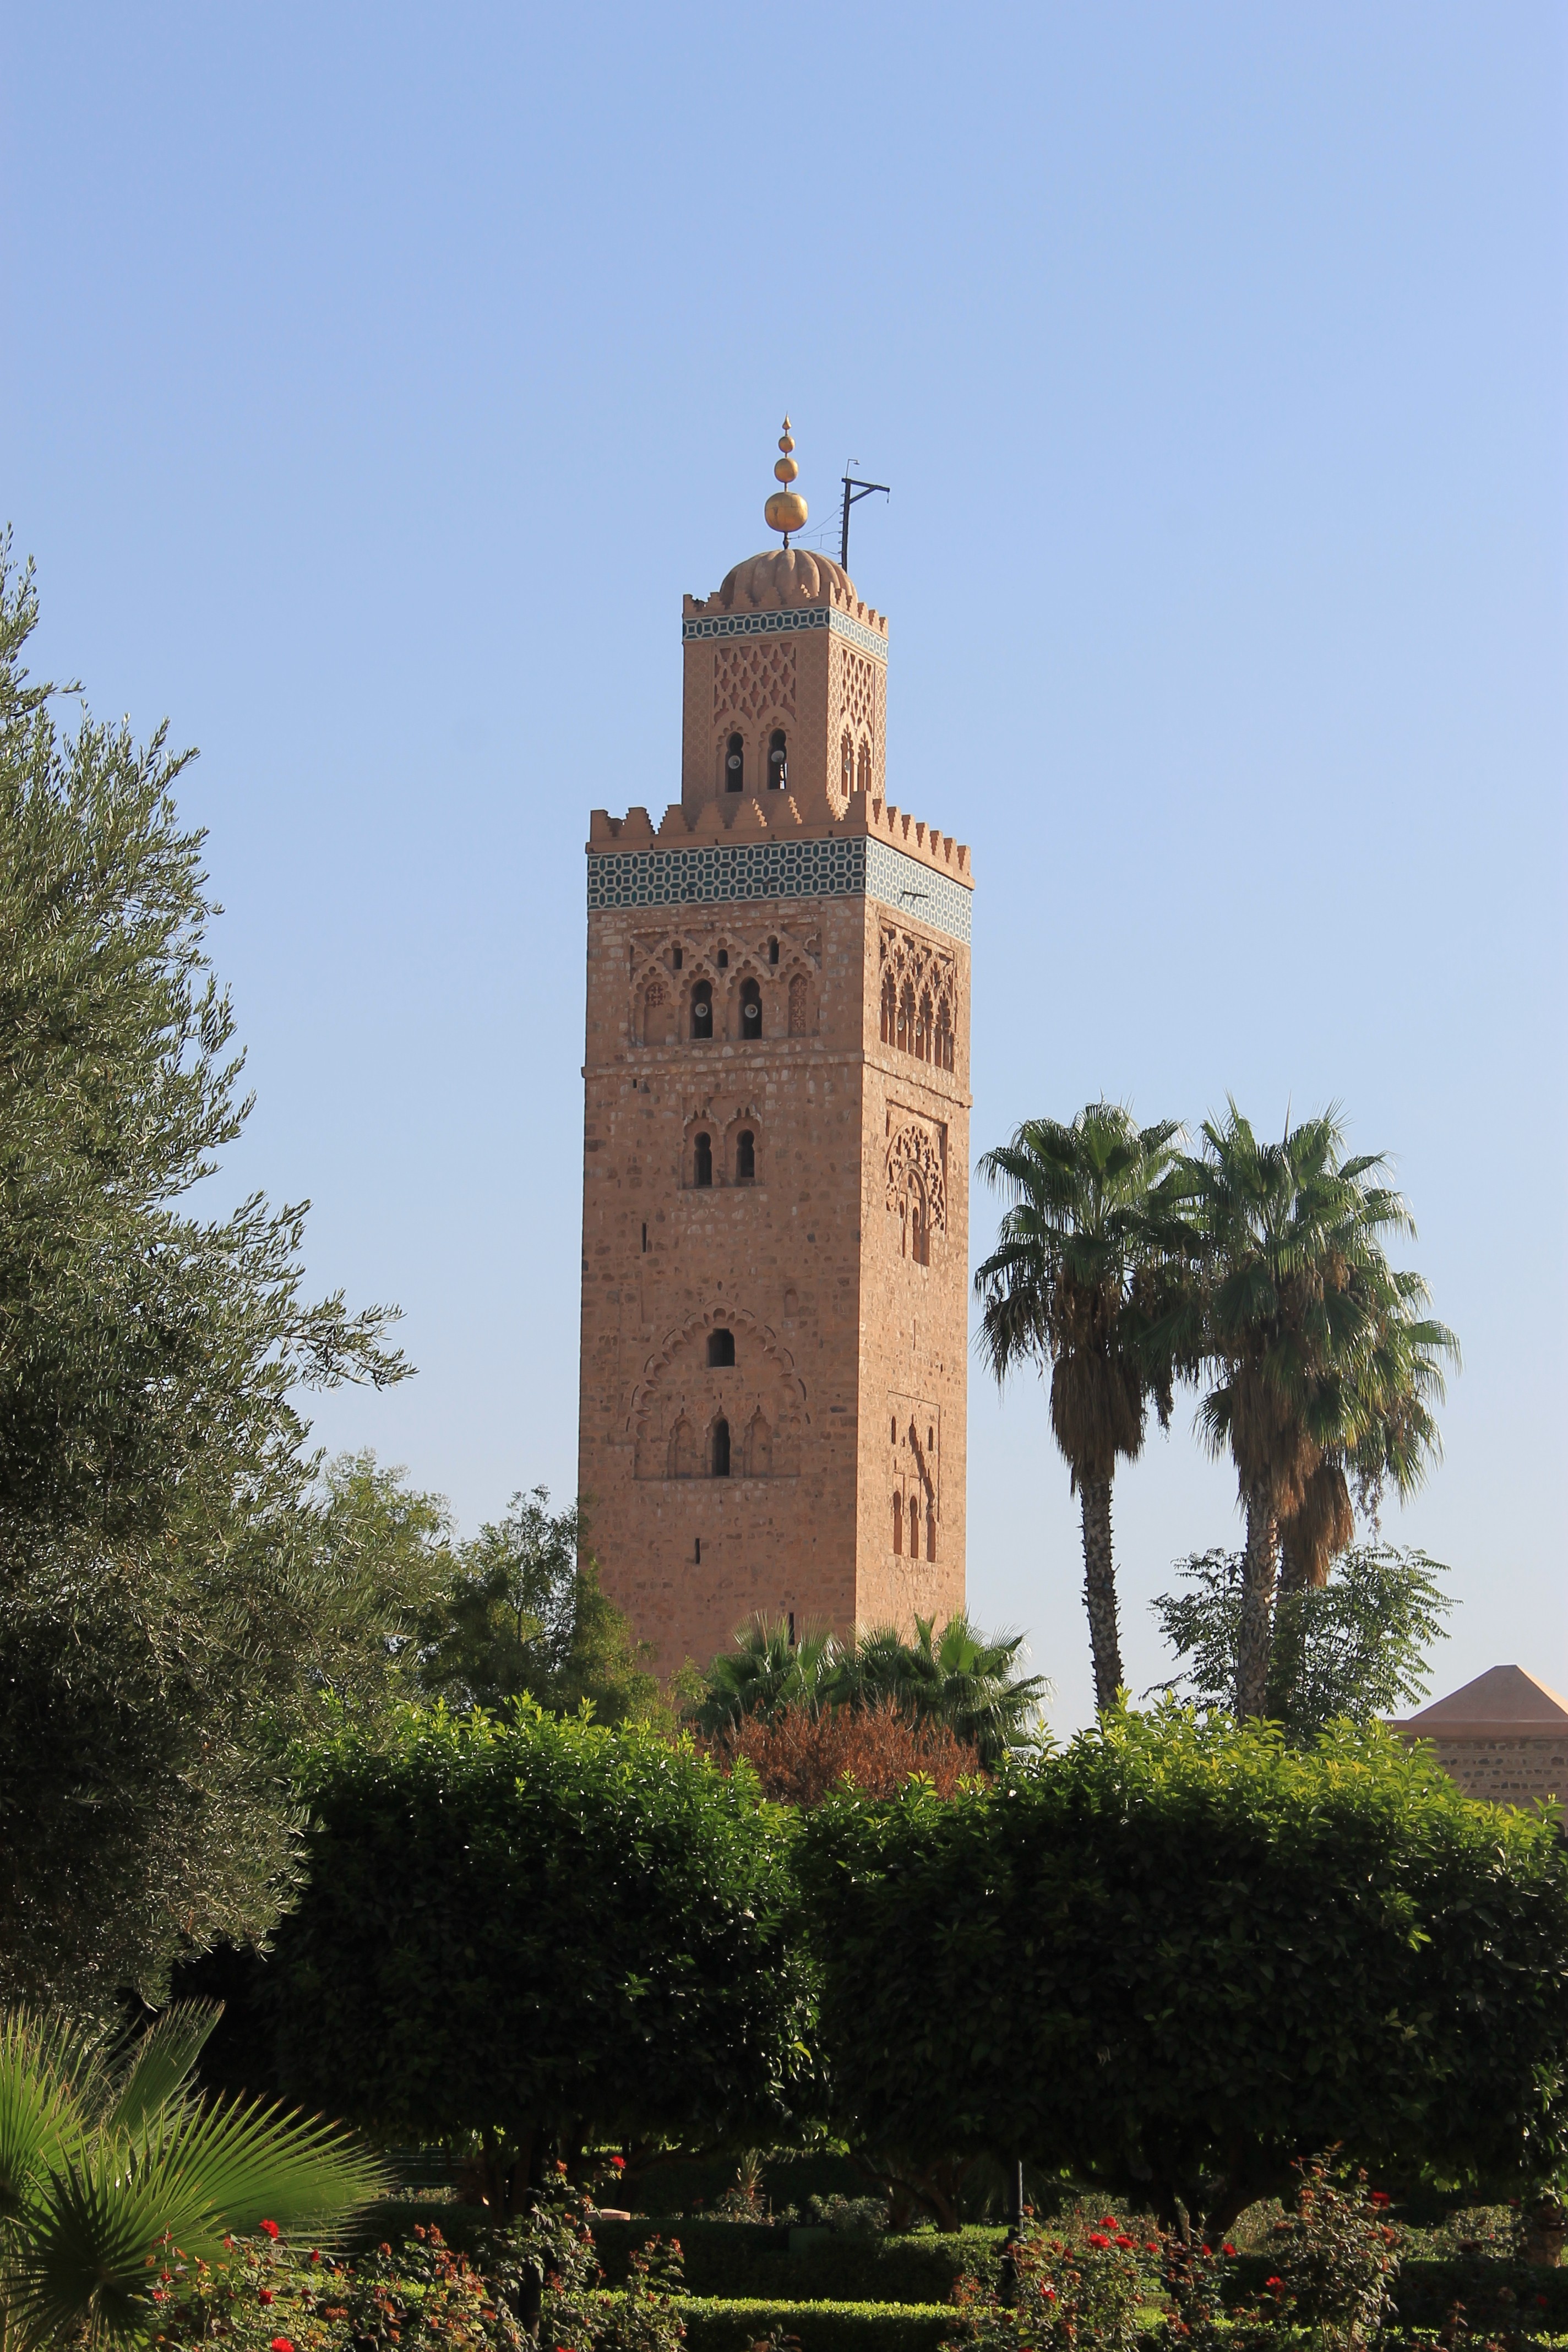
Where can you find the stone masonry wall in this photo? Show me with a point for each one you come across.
(1507, 1771)
(839, 1333)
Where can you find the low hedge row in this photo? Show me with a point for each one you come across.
(756, 2261)
(733, 2324)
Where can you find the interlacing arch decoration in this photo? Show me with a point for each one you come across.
(919, 998)
(690, 1386)
(669, 967)
(916, 1189)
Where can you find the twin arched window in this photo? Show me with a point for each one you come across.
(778, 762)
(702, 1161)
(734, 764)
(745, 1157)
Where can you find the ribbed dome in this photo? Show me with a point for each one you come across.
(780, 580)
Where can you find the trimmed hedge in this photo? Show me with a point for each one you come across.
(714, 2324)
(1495, 2294)
(754, 2261)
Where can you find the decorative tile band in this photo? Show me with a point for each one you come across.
(774, 624)
(780, 869)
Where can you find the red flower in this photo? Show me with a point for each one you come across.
(269, 2229)
(1228, 2248)
(280, 2344)
(1274, 2281)
(1108, 2221)
(619, 2163)
(1098, 2238)
(265, 2293)
(1380, 2197)
(1124, 2240)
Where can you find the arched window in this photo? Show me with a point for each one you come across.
(702, 1161)
(914, 1526)
(923, 1028)
(846, 765)
(723, 959)
(773, 950)
(920, 1231)
(734, 764)
(751, 1009)
(865, 776)
(799, 1005)
(677, 958)
(778, 761)
(702, 1009)
(906, 1017)
(721, 1454)
(898, 1522)
(890, 1008)
(745, 1157)
(930, 1530)
(720, 1349)
(943, 1033)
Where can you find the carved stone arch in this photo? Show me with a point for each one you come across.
(745, 1122)
(656, 1008)
(802, 1006)
(680, 1387)
(915, 1176)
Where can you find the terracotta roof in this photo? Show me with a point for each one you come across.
(1505, 1703)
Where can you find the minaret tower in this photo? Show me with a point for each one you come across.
(775, 1193)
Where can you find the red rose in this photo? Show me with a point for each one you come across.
(265, 2293)
(1108, 2221)
(1098, 2238)
(1228, 2248)
(619, 2162)
(1274, 2281)
(269, 2229)
(280, 2344)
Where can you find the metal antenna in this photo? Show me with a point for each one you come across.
(853, 492)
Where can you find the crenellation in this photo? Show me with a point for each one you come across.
(775, 1201)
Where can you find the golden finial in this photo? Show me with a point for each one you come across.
(785, 511)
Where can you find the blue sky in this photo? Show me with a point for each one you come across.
(376, 380)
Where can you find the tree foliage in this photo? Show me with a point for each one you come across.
(1073, 1283)
(1356, 1646)
(962, 1679)
(1322, 1361)
(522, 1616)
(160, 1617)
(1179, 1954)
(800, 1755)
(532, 1924)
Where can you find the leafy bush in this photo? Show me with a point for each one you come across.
(518, 1924)
(1083, 2281)
(116, 2178)
(1178, 1955)
(1336, 2258)
(800, 1758)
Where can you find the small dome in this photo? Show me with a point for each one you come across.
(780, 580)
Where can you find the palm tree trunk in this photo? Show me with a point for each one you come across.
(1100, 1591)
(1255, 1631)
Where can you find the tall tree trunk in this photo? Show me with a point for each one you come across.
(1256, 1632)
(1100, 1591)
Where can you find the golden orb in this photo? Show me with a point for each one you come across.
(786, 511)
(786, 470)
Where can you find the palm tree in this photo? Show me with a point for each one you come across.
(1071, 1282)
(767, 1671)
(1324, 1361)
(958, 1677)
(108, 2156)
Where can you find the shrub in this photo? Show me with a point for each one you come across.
(519, 1925)
(1082, 2281)
(738, 2325)
(800, 1758)
(1179, 1955)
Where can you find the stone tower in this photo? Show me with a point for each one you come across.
(775, 1188)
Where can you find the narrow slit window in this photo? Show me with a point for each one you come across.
(745, 1157)
(702, 1009)
(644, 1240)
(931, 1531)
(720, 1349)
(773, 950)
(720, 1448)
(898, 1523)
(734, 764)
(702, 1161)
(751, 1009)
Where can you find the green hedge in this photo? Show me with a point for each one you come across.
(718, 2324)
(755, 2261)
(1496, 2295)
